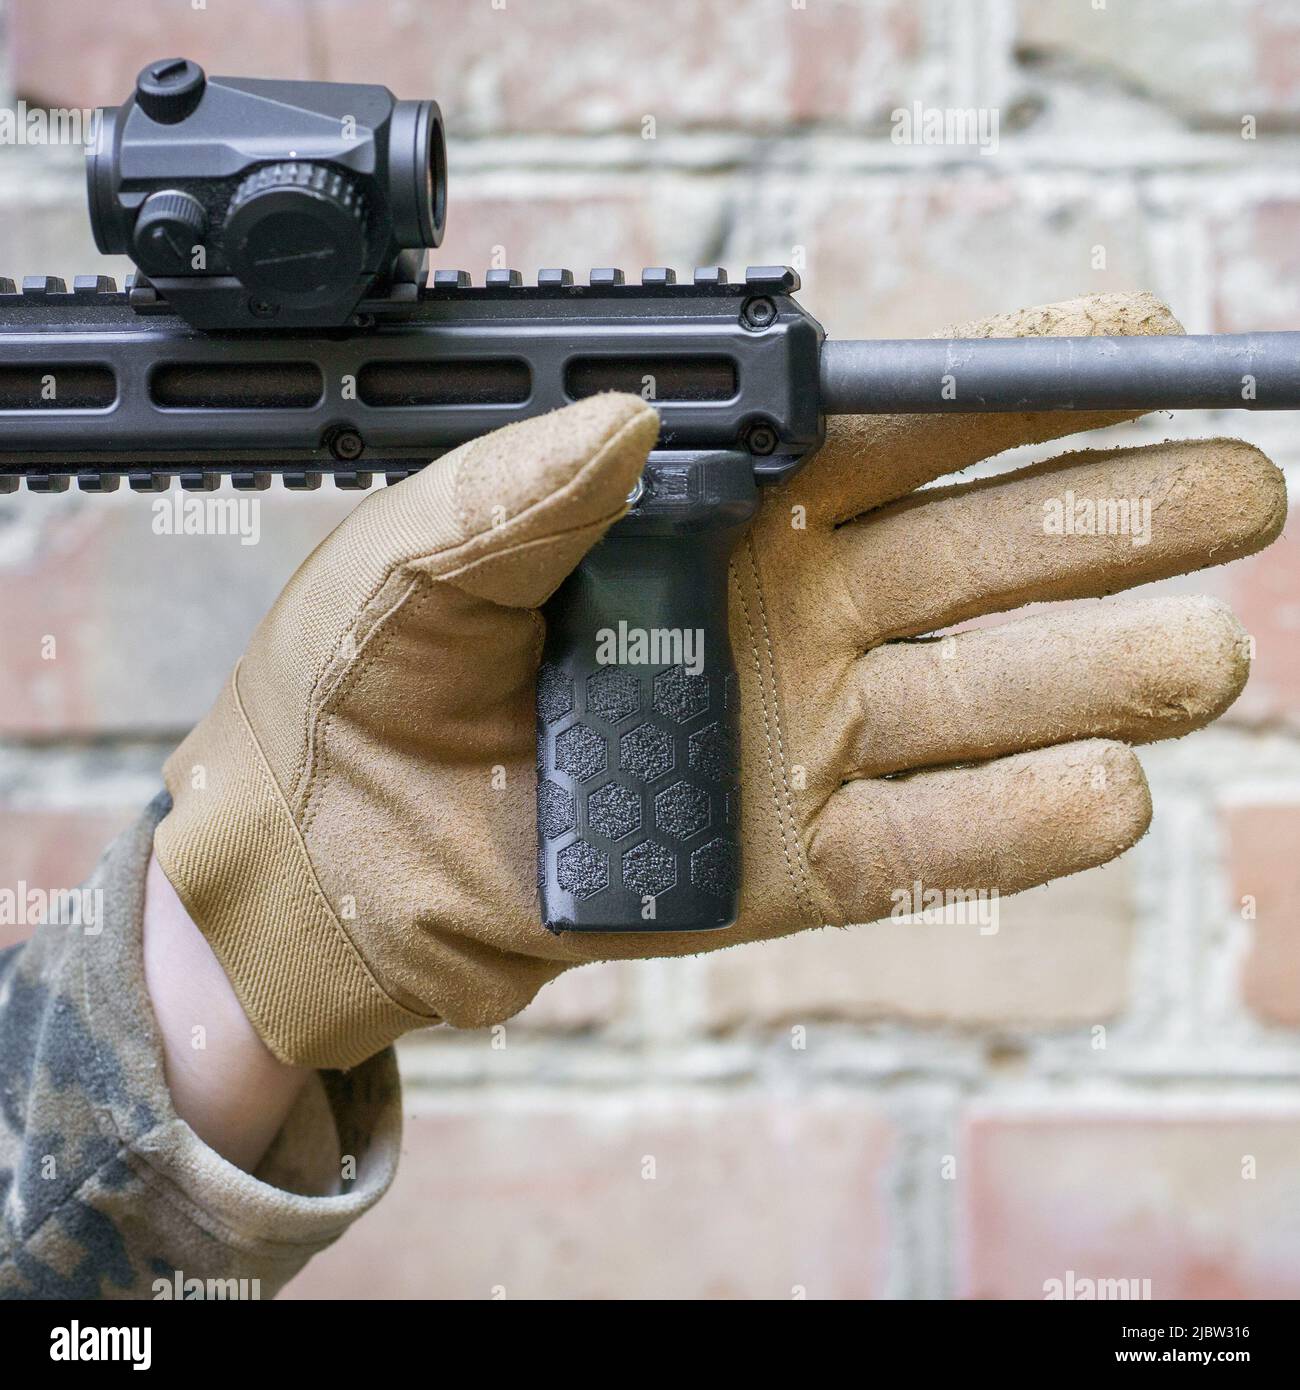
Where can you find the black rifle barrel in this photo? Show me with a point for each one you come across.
(1250, 371)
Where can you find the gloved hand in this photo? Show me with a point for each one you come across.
(353, 824)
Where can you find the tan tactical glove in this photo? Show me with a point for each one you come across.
(353, 826)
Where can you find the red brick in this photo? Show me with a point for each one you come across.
(51, 234)
(65, 53)
(961, 245)
(580, 66)
(52, 850)
(145, 626)
(546, 1199)
(1115, 1196)
(1255, 265)
(590, 997)
(1264, 592)
(535, 223)
(1060, 956)
(1201, 57)
(1265, 869)
(575, 65)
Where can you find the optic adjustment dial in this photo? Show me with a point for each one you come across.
(296, 232)
(170, 89)
(169, 230)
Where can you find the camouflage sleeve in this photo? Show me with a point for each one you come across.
(106, 1192)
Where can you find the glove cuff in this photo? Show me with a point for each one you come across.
(233, 853)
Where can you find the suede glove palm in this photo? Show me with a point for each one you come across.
(353, 823)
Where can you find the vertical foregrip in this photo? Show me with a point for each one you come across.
(638, 792)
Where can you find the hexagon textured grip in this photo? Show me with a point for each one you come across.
(638, 758)
(638, 782)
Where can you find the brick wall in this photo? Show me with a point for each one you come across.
(1109, 1084)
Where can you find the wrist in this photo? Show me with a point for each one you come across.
(240, 865)
(224, 1081)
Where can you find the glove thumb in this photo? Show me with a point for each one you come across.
(530, 500)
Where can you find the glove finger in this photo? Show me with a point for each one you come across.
(949, 554)
(1138, 671)
(869, 460)
(1009, 824)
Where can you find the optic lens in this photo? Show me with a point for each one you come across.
(417, 173)
(106, 221)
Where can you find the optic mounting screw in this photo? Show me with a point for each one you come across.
(760, 438)
(263, 308)
(758, 313)
(347, 445)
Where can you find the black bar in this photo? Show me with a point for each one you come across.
(1250, 371)
(429, 375)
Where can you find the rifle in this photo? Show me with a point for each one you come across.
(283, 323)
